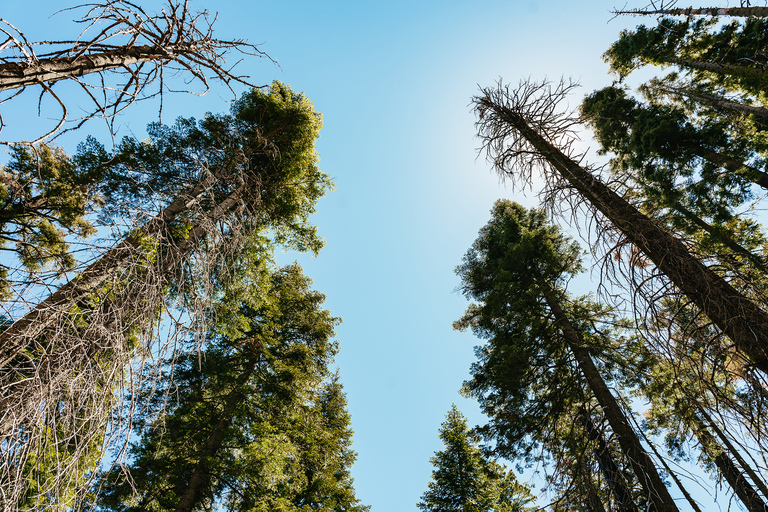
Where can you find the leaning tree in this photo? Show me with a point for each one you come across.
(228, 188)
(122, 54)
(522, 132)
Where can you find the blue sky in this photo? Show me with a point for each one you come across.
(393, 80)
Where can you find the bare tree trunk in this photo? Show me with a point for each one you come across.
(608, 466)
(735, 478)
(755, 12)
(642, 465)
(737, 316)
(15, 75)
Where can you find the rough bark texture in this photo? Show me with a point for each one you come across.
(24, 330)
(735, 478)
(739, 318)
(658, 495)
(608, 466)
(14, 75)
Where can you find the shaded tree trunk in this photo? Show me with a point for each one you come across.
(608, 466)
(735, 478)
(734, 452)
(714, 101)
(737, 316)
(734, 165)
(642, 465)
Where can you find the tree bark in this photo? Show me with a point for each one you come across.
(755, 12)
(658, 494)
(608, 466)
(15, 75)
(728, 469)
(739, 318)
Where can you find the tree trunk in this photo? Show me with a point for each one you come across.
(714, 101)
(608, 466)
(724, 239)
(734, 452)
(642, 465)
(738, 317)
(755, 12)
(734, 165)
(741, 487)
(14, 75)
(594, 504)
(213, 444)
(26, 329)
(757, 74)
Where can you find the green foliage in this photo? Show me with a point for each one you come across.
(44, 197)
(267, 141)
(257, 422)
(737, 48)
(464, 480)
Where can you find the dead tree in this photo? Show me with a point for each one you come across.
(523, 131)
(123, 55)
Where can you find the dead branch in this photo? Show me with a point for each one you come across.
(120, 53)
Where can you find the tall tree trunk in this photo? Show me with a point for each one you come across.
(642, 465)
(721, 237)
(756, 479)
(757, 74)
(15, 75)
(713, 100)
(594, 504)
(734, 165)
(738, 317)
(735, 478)
(213, 444)
(25, 330)
(755, 12)
(608, 466)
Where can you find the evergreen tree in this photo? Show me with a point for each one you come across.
(253, 427)
(232, 187)
(464, 480)
(732, 57)
(540, 341)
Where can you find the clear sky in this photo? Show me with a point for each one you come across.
(393, 80)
